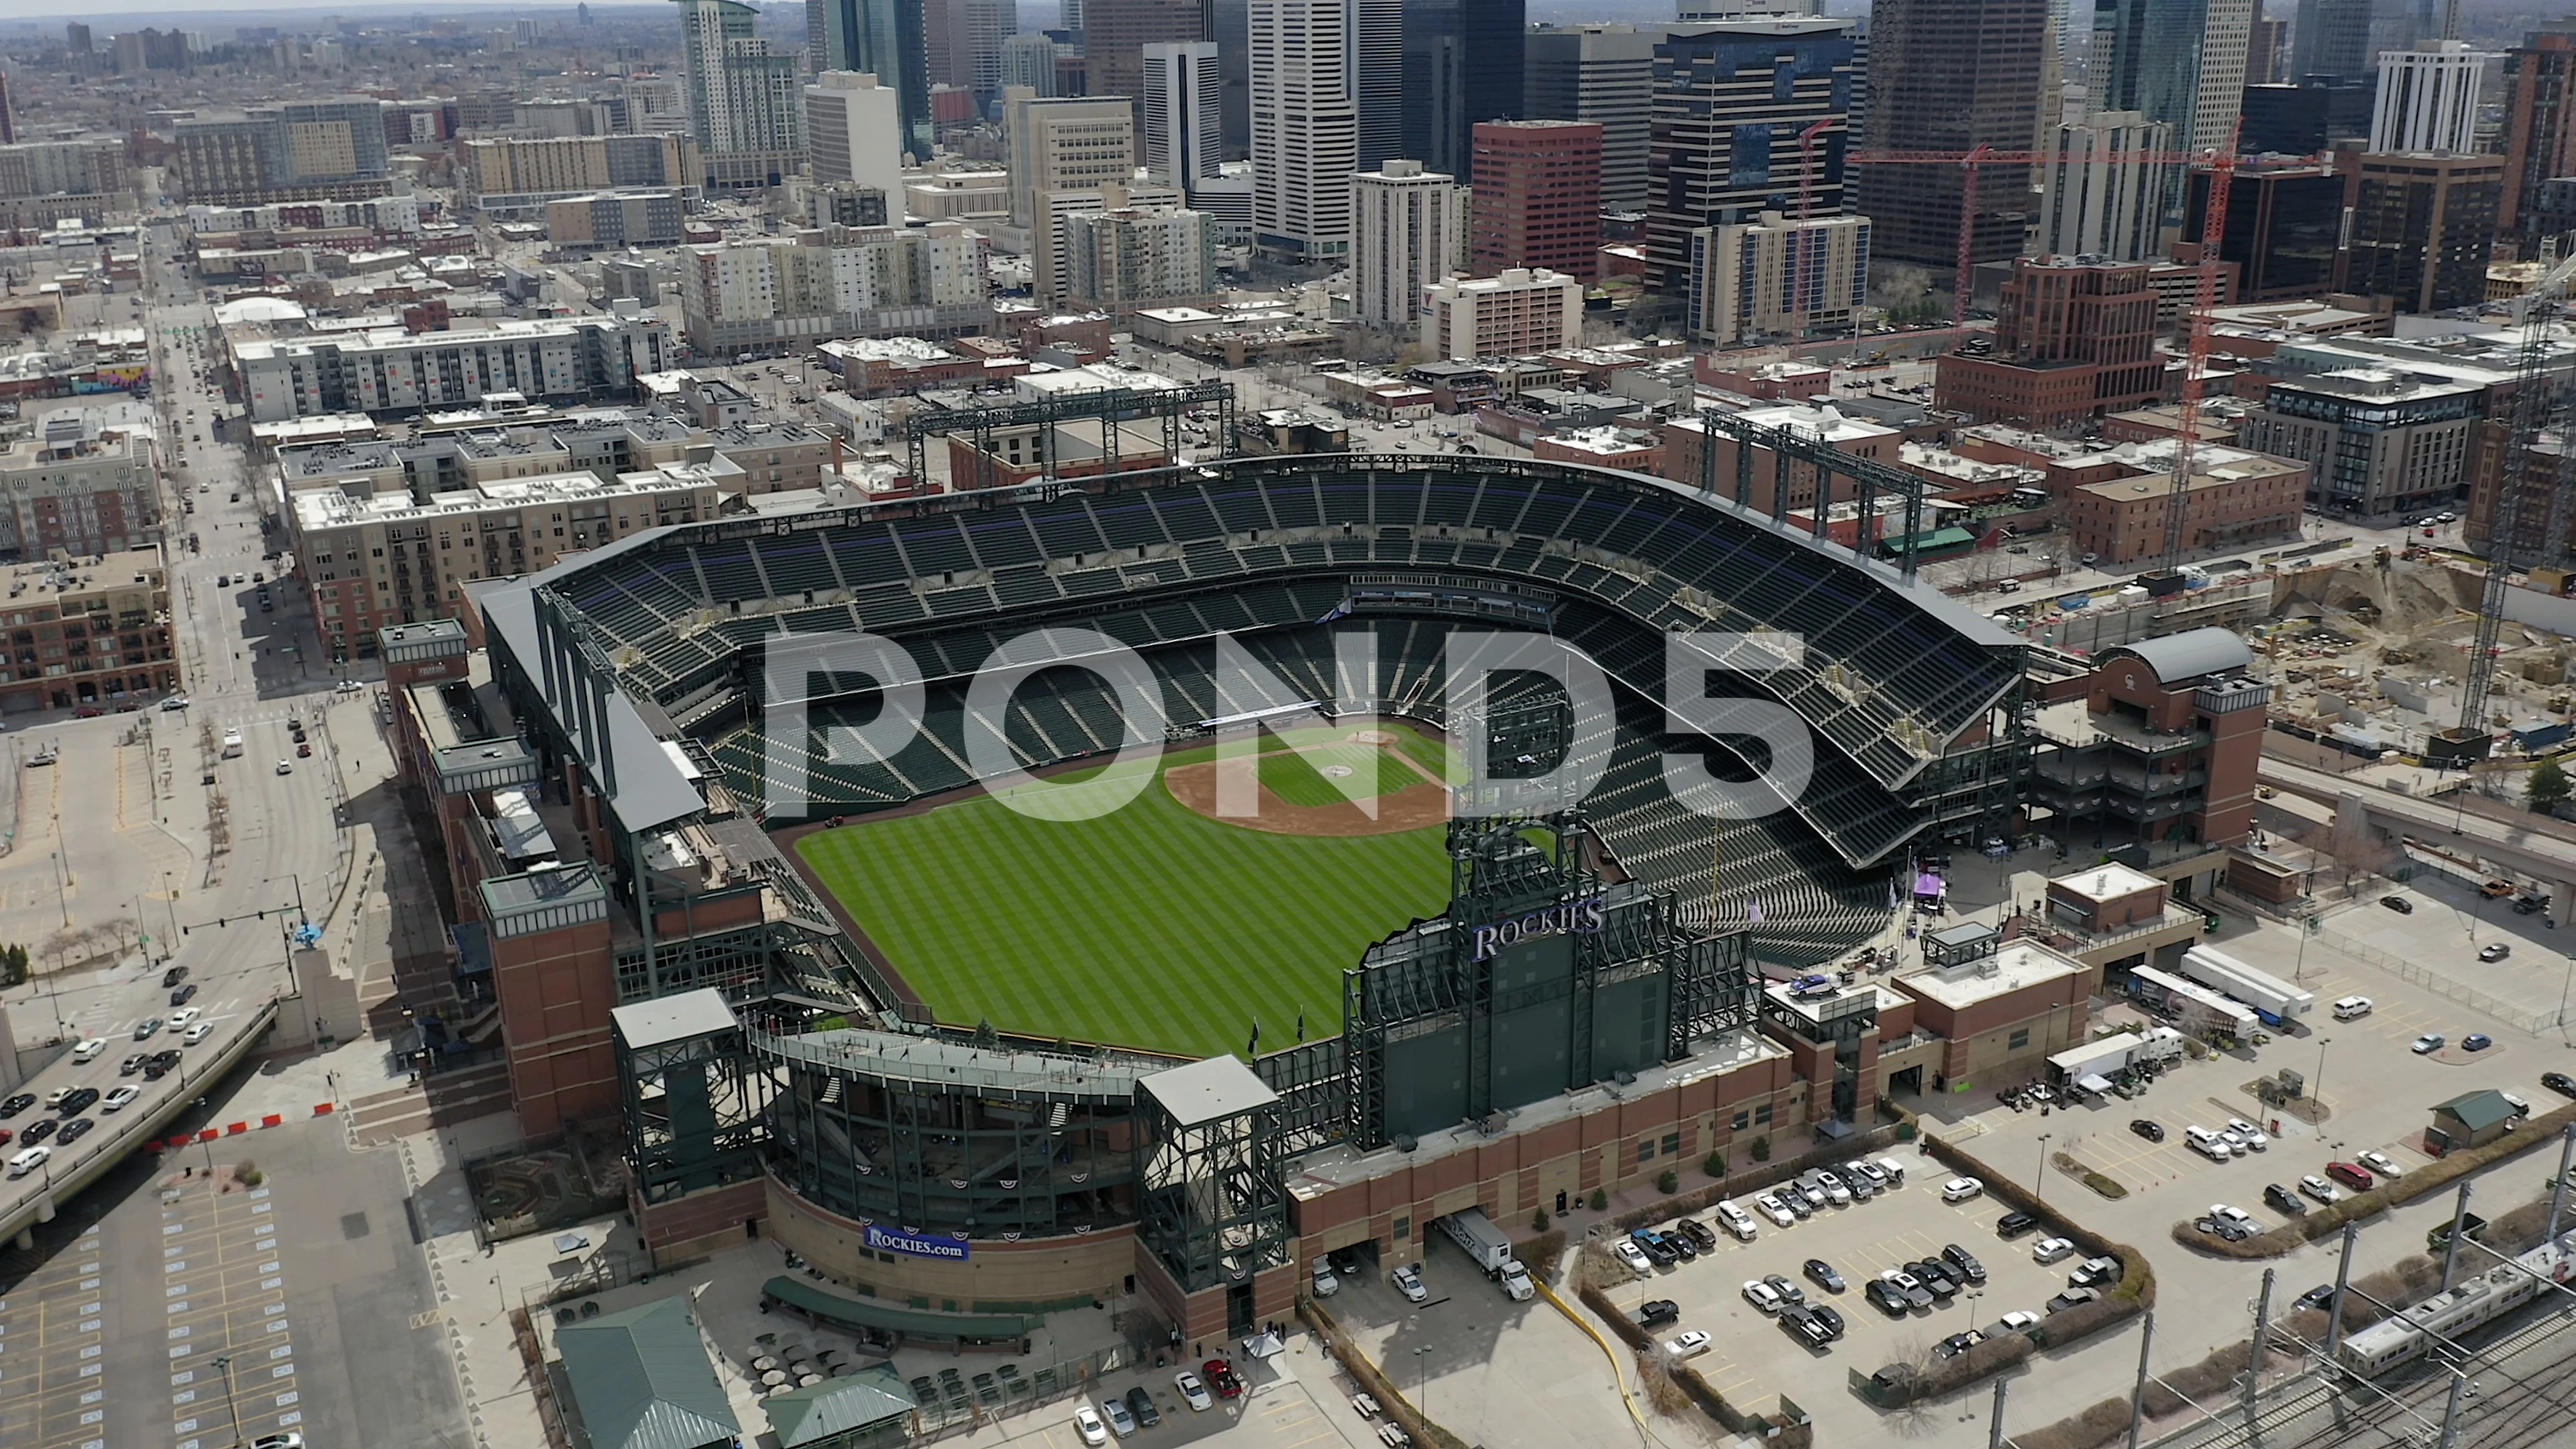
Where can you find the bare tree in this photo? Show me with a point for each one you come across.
(2358, 850)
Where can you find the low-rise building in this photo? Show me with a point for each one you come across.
(885, 366)
(87, 630)
(514, 175)
(2235, 498)
(1693, 456)
(765, 296)
(2382, 440)
(1632, 448)
(390, 370)
(615, 219)
(1518, 312)
(1378, 397)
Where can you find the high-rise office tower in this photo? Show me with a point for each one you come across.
(965, 39)
(1410, 221)
(1951, 75)
(1230, 26)
(744, 105)
(1065, 143)
(882, 38)
(8, 116)
(1464, 62)
(1029, 60)
(1377, 78)
(2264, 51)
(2539, 121)
(2330, 37)
(2100, 206)
(2428, 98)
(1116, 32)
(1538, 197)
(1305, 131)
(1731, 100)
(851, 134)
(2284, 229)
(1183, 138)
(2423, 226)
(2177, 61)
(1073, 16)
(76, 36)
(1604, 74)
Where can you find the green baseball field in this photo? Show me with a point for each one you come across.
(1156, 925)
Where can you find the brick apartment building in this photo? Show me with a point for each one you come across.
(2074, 340)
(2236, 497)
(87, 630)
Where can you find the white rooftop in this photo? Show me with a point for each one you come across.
(2018, 964)
(2109, 882)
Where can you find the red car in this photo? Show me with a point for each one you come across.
(1221, 1377)
(88, 711)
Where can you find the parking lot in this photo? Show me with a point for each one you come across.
(2451, 923)
(1754, 1356)
(53, 1388)
(230, 1345)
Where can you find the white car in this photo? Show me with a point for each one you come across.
(2049, 1250)
(1833, 1185)
(1193, 1392)
(29, 1160)
(118, 1100)
(1737, 1220)
(1960, 1189)
(2381, 1163)
(2252, 1134)
(1634, 1256)
(1693, 1342)
(1408, 1281)
(197, 1033)
(183, 1016)
(1762, 1295)
(1327, 1283)
(2237, 1215)
(2318, 1188)
(1774, 1209)
(1086, 1422)
(2020, 1320)
(88, 1051)
(286, 767)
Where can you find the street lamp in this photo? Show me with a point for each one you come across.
(1422, 1381)
(225, 1362)
(2317, 1088)
(2041, 1180)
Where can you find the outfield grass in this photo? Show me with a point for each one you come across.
(1150, 926)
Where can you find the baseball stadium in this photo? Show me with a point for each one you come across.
(984, 1060)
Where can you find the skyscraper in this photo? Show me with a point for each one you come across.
(1116, 32)
(851, 135)
(2177, 61)
(8, 116)
(1410, 222)
(1538, 197)
(882, 38)
(1951, 75)
(1464, 62)
(2428, 98)
(1731, 99)
(1604, 74)
(1377, 78)
(965, 39)
(2099, 206)
(2329, 37)
(2539, 121)
(743, 101)
(1029, 60)
(2263, 53)
(1230, 26)
(1305, 131)
(1183, 139)
(2422, 229)
(1064, 143)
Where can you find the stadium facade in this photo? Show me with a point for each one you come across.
(1588, 1012)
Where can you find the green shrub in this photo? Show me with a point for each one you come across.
(1762, 1149)
(1715, 1166)
(1600, 1200)
(1668, 1182)
(1538, 1221)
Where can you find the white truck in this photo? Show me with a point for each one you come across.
(232, 744)
(2278, 1002)
(1489, 1249)
(2104, 1056)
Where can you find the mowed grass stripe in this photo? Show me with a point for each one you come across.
(1297, 776)
(1150, 926)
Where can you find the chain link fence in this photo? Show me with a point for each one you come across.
(2521, 1018)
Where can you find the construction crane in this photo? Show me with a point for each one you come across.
(2535, 406)
(1988, 156)
(2213, 235)
(1806, 210)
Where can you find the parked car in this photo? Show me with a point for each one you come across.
(2226, 1214)
(1087, 1424)
(2317, 1297)
(2476, 1041)
(2318, 1188)
(2074, 1298)
(1635, 1257)
(1193, 1390)
(1140, 1402)
(1762, 1296)
(1698, 1234)
(1221, 1374)
(1886, 1296)
(1965, 1262)
(1824, 1275)
(2282, 1200)
(1789, 1292)
(2152, 1131)
(1774, 1209)
(2249, 1134)
(2494, 953)
(1802, 1323)
(1915, 1294)
(2020, 1320)
(2559, 1082)
(1408, 1281)
(1688, 1345)
(2399, 904)
(1327, 1282)
(1121, 1423)
(2013, 1225)
(1740, 1223)
(2351, 1175)
(2379, 1162)
(1656, 1312)
(1958, 1343)
(2095, 1271)
(2049, 1250)
(1830, 1317)
(1960, 1189)
(2429, 1042)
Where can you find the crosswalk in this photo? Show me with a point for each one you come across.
(217, 1010)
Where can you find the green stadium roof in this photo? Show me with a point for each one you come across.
(877, 1313)
(642, 1381)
